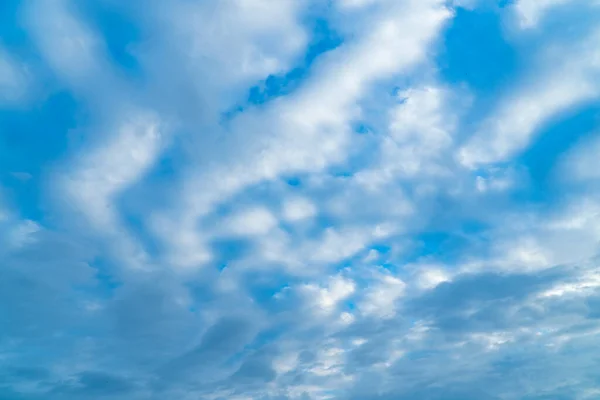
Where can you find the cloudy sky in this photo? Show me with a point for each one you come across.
(299, 199)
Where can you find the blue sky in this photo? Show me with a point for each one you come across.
(299, 199)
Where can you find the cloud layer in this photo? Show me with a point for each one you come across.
(299, 200)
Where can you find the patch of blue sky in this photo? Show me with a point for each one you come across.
(153, 190)
(36, 136)
(227, 251)
(323, 40)
(542, 158)
(107, 281)
(201, 293)
(266, 338)
(265, 291)
(445, 242)
(435, 244)
(12, 34)
(119, 31)
(294, 181)
(553, 27)
(31, 139)
(364, 152)
(476, 53)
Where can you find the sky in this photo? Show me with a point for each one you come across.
(299, 199)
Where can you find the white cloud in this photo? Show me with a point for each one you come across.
(569, 80)
(107, 170)
(380, 297)
(335, 245)
(530, 12)
(23, 234)
(358, 4)
(308, 130)
(298, 209)
(97, 177)
(69, 46)
(327, 298)
(254, 221)
(421, 129)
(532, 242)
(248, 51)
(428, 276)
(16, 233)
(580, 163)
(371, 205)
(223, 47)
(497, 181)
(584, 285)
(14, 79)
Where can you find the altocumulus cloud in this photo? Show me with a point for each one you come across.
(299, 199)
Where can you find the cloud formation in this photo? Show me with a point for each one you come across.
(299, 200)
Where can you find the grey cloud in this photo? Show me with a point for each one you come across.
(220, 341)
(257, 369)
(482, 301)
(91, 384)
